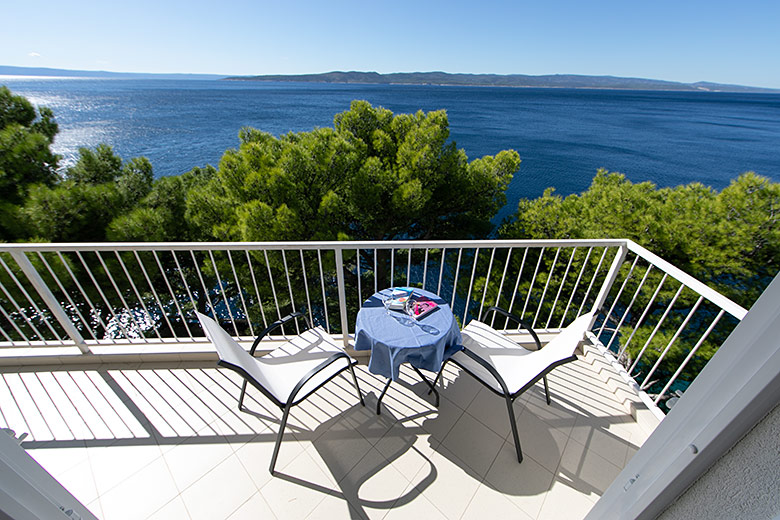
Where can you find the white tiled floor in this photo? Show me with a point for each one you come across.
(168, 443)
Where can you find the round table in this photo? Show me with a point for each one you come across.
(394, 337)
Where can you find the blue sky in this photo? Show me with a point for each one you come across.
(726, 42)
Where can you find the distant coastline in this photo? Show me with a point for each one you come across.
(501, 80)
(42, 72)
(413, 78)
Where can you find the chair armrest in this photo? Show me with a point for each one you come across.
(276, 325)
(516, 319)
(313, 372)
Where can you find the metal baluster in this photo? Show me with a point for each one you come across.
(186, 287)
(533, 281)
(240, 293)
(409, 267)
(574, 289)
(121, 298)
(84, 294)
(455, 281)
(425, 268)
(501, 285)
(64, 292)
(392, 267)
(224, 292)
(174, 298)
(517, 284)
(471, 284)
(257, 290)
(560, 288)
(546, 285)
(103, 296)
(684, 324)
(642, 318)
(306, 287)
(630, 305)
(13, 323)
(29, 299)
(203, 284)
(487, 283)
(657, 326)
(592, 281)
(137, 294)
(154, 292)
(441, 270)
(289, 288)
(690, 355)
(273, 288)
(617, 297)
(359, 287)
(322, 283)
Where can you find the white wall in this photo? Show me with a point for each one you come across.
(744, 483)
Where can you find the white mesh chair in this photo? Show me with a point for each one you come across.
(508, 369)
(289, 373)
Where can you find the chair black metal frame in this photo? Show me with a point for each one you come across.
(509, 397)
(291, 400)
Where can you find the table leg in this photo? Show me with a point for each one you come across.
(430, 386)
(379, 401)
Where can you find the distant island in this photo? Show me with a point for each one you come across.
(414, 78)
(8, 70)
(503, 80)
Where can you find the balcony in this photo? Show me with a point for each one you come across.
(104, 366)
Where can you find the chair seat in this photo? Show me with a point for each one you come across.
(280, 370)
(516, 365)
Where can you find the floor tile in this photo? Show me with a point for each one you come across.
(473, 443)
(417, 507)
(192, 459)
(334, 507)
(220, 492)
(540, 441)
(587, 471)
(611, 441)
(58, 460)
(524, 484)
(80, 481)
(449, 474)
(140, 495)
(173, 510)
(298, 489)
(373, 486)
(565, 502)
(489, 503)
(255, 508)
(113, 464)
(255, 455)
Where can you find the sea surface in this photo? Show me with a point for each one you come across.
(562, 135)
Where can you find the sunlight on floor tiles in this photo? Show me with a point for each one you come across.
(138, 442)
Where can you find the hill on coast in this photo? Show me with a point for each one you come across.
(503, 80)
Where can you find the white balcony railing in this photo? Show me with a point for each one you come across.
(661, 323)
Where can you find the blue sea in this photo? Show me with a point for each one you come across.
(562, 135)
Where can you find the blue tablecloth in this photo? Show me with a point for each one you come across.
(397, 338)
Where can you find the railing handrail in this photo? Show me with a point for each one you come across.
(308, 245)
(689, 281)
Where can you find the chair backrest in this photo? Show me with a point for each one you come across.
(564, 344)
(231, 354)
